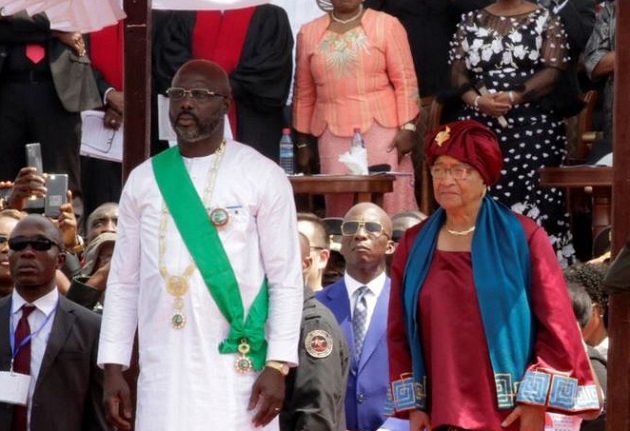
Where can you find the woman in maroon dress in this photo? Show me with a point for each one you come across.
(481, 333)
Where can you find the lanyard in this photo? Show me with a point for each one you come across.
(16, 349)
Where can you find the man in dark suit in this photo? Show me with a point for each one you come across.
(59, 358)
(360, 302)
(45, 82)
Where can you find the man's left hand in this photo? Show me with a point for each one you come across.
(268, 395)
(404, 142)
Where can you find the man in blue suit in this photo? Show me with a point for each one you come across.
(360, 301)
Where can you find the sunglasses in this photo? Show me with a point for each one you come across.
(373, 228)
(197, 94)
(38, 244)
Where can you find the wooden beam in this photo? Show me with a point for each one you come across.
(619, 315)
(137, 84)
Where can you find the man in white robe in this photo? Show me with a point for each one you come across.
(185, 383)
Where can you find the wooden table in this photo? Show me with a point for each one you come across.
(365, 188)
(599, 178)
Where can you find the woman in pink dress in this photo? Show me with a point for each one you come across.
(354, 70)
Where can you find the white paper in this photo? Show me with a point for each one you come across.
(558, 422)
(165, 130)
(98, 141)
(355, 160)
(14, 387)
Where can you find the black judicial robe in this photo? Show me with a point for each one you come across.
(260, 82)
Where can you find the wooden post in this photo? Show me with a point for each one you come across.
(619, 318)
(137, 119)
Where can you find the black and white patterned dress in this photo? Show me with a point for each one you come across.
(524, 53)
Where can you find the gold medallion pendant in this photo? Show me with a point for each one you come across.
(176, 285)
(243, 364)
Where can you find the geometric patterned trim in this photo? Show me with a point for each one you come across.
(421, 394)
(505, 390)
(408, 395)
(563, 392)
(404, 394)
(534, 388)
(558, 392)
(389, 404)
(587, 398)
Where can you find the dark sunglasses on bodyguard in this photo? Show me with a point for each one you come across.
(38, 244)
(352, 227)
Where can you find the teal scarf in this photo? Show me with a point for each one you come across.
(501, 272)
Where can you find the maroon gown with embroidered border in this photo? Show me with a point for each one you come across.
(461, 388)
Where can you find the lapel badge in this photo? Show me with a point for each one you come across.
(219, 217)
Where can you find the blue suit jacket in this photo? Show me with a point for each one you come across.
(368, 380)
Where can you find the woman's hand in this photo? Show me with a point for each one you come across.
(419, 421)
(532, 418)
(495, 104)
(404, 142)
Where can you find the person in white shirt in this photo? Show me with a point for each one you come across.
(207, 248)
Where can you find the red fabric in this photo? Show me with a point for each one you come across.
(106, 52)
(219, 37)
(456, 354)
(35, 52)
(22, 365)
(558, 345)
(470, 142)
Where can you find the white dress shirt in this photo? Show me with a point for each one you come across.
(40, 324)
(375, 287)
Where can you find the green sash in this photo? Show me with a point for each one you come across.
(205, 247)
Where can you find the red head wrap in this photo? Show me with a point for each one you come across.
(469, 142)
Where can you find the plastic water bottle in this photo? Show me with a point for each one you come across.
(358, 150)
(286, 151)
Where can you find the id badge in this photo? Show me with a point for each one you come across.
(14, 387)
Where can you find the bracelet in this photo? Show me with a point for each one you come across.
(476, 102)
(511, 96)
(301, 145)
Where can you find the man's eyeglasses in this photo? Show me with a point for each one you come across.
(197, 94)
(351, 227)
(457, 172)
(38, 244)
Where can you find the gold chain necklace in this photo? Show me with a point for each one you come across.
(349, 20)
(460, 232)
(177, 285)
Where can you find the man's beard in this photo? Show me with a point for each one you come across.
(200, 131)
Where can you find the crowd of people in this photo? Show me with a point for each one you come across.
(196, 294)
